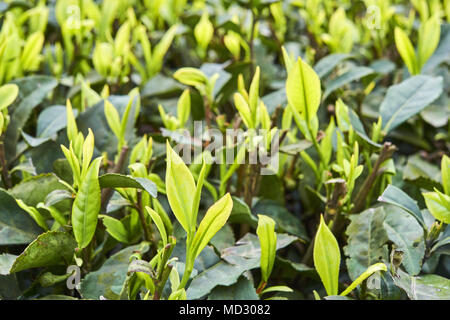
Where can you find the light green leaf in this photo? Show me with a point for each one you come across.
(34, 213)
(113, 119)
(406, 50)
(327, 258)
(30, 55)
(88, 151)
(197, 194)
(277, 289)
(371, 270)
(191, 77)
(439, 205)
(116, 229)
(180, 187)
(268, 242)
(253, 95)
(55, 213)
(303, 90)
(184, 107)
(215, 218)
(445, 171)
(429, 34)
(72, 129)
(204, 31)
(244, 110)
(160, 50)
(50, 248)
(159, 224)
(87, 206)
(8, 93)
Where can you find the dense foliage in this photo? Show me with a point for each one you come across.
(350, 99)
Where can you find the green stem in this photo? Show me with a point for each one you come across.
(145, 226)
(189, 264)
(5, 174)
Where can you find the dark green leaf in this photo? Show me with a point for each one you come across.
(115, 180)
(397, 197)
(366, 242)
(16, 226)
(50, 248)
(408, 98)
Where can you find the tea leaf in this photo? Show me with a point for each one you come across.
(408, 98)
(303, 90)
(86, 206)
(268, 242)
(366, 244)
(116, 229)
(366, 274)
(406, 51)
(50, 248)
(327, 258)
(116, 180)
(180, 186)
(215, 218)
(8, 93)
(439, 205)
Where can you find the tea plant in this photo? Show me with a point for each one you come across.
(173, 150)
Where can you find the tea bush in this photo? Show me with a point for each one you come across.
(250, 149)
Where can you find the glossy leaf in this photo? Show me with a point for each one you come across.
(366, 244)
(397, 197)
(50, 248)
(408, 98)
(439, 205)
(116, 229)
(116, 180)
